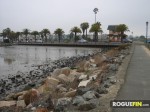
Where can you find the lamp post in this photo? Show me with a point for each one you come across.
(146, 30)
(95, 11)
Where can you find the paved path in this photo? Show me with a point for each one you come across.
(137, 81)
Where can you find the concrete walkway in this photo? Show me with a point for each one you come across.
(137, 81)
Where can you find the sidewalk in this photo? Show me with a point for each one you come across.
(137, 80)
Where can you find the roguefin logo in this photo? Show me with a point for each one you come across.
(130, 103)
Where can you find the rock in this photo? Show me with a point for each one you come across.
(89, 95)
(65, 78)
(20, 97)
(56, 72)
(33, 108)
(31, 96)
(82, 90)
(45, 102)
(70, 89)
(62, 104)
(107, 84)
(62, 89)
(85, 106)
(95, 101)
(113, 80)
(7, 103)
(71, 93)
(52, 81)
(92, 60)
(102, 90)
(93, 65)
(77, 100)
(66, 71)
(99, 59)
(84, 83)
(10, 96)
(93, 77)
(21, 103)
(86, 65)
(41, 110)
(83, 77)
(113, 67)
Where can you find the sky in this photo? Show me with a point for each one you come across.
(65, 14)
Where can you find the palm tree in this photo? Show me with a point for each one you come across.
(59, 32)
(41, 34)
(6, 33)
(17, 35)
(35, 33)
(26, 32)
(84, 26)
(96, 28)
(75, 30)
(122, 28)
(12, 36)
(45, 32)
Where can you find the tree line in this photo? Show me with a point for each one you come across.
(95, 29)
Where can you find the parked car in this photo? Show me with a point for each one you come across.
(82, 41)
(127, 40)
(148, 41)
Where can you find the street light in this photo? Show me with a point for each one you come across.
(95, 11)
(146, 30)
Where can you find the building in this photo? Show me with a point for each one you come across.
(113, 35)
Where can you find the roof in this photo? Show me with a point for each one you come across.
(112, 27)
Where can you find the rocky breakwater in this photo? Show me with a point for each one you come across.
(34, 78)
(68, 89)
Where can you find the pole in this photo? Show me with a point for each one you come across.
(146, 30)
(95, 17)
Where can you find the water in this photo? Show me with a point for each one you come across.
(21, 58)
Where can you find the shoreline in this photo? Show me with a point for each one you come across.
(42, 71)
(98, 70)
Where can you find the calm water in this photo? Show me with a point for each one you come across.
(21, 58)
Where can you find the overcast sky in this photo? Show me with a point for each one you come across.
(65, 14)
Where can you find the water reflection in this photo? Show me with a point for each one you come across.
(21, 58)
(8, 61)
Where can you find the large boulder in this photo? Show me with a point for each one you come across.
(102, 90)
(83, 77)
(82, 90)
(84, 83)
(56, 72)
(52, 81)
(113, 67)
(86, 65)
(61, 89)
(86, 106)
(64, 78)
(62, 104)
(41, 110)
(89, 95)
(21, 103)
(66, 71)
(7, 103)
(99, 59)
(77, 100)
(71, 93)
(31, 96)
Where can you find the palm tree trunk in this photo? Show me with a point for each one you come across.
(86, 33)
(59, 38)
(83, 34)
(122, 36)
(35, 38)
(75, 37)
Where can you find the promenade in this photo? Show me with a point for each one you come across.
(137, 80)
